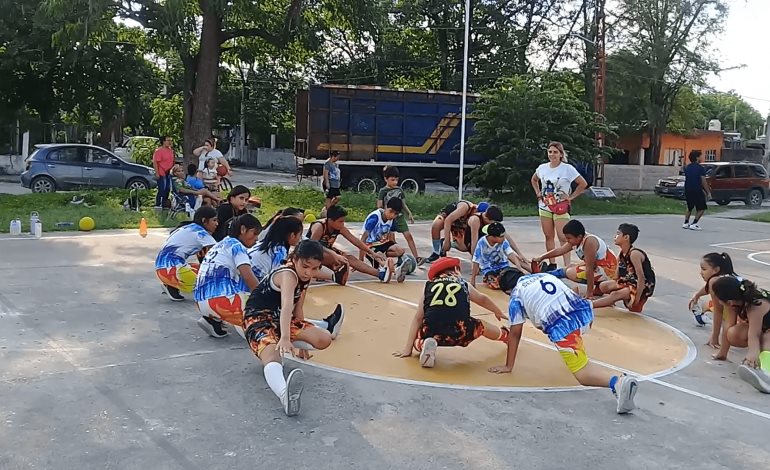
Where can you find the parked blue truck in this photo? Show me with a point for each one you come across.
(418, 131)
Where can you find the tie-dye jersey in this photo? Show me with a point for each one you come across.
(550, 305)
(492, 258)
(262, 263)
(182, 244)
(218, 275)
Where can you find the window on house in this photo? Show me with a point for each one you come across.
(672, 157)
(711, 155)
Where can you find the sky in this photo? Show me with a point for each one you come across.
(746, 41)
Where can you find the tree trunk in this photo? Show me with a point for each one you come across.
(204, 97)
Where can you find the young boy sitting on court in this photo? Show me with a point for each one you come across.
(327, 230)
(563, 316)
(392, 189)
(377, 236)
(493, 255)
(597, 262)
(443, 315)
(636, 278)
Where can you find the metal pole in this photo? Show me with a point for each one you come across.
(465, 97)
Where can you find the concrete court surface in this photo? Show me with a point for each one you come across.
(99, 370)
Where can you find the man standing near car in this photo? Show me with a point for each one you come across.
(696, 190)
(162, 162)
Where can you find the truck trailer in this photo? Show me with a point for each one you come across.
(371, 127)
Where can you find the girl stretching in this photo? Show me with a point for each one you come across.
(270, 253)
(712, 267)
(171, 265)
(274, 318)
(226, 278)
(235, 205)
(743, 299)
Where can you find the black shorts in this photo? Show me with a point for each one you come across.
(460, 333)
(381, 248)
(331, 193)
(695, 200)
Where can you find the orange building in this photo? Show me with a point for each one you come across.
(674, 148)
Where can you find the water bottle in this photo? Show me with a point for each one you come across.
(189, 210)
(34, 218)
(15, 227)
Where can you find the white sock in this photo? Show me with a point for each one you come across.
(273, 372)
(322, 324)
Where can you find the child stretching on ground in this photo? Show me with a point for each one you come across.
(712, 267)
(377, 236)
(563, 316)
(452, 222)
(752, 305)
(191, 237)
(492, 256)
(636, 278)
(274, 318)
(443, 315)
(326, 232)
(392, 189)
(597, 262)
(270, 253)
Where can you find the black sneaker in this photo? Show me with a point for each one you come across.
(551, 267)
(213, 327)
(433, 257)
(334, 321)
(173, 293)
(341, 275)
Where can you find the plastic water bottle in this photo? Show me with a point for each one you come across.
(15, 227)
(34, 219)
(189, 210)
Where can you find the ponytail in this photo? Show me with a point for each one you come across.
(278, 235)
(729, 288)
(289, 211)
(721, 261)
(246, 220)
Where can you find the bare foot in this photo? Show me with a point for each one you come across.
(719, 357)
(713, 344)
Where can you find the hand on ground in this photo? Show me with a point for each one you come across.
(500, 369)
(404, 353)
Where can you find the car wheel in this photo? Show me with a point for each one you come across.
(754, 198)
(43, 184)
(723, 202)
(137, 183)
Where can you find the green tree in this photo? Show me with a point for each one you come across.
(733, 111)
(167, 116)
(671, 39)
(517, 119)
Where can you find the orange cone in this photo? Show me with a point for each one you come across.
(143, 227)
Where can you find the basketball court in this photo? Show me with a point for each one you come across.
(100, 370)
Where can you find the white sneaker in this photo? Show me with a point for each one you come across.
(400, 273)
(756, 377)
(685, 225)
(625, 390)
(291, 396)
(428, 353)
(695, 227)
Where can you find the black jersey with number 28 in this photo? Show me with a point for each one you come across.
(446, 299)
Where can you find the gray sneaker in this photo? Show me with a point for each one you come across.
(291, 397)
(428, 353)
(755, 377)
(625, 390)
(695, 227)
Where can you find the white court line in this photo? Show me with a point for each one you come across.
(752, 255)
(724, 244)
(652, 378)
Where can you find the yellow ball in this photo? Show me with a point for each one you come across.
(310, 218)
(86, 224)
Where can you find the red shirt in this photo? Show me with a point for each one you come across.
(164, 157)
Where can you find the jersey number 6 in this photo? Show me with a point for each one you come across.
(449, 293)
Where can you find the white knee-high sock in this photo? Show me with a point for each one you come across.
(322, 324)
(273, 372)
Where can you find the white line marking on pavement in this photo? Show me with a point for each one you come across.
(752, 257)
(651, 378)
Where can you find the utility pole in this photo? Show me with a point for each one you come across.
(600, 99)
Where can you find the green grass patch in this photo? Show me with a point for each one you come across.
(106, 207)
(760, 217)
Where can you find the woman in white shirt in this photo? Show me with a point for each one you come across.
(209, 150)
(552, 183)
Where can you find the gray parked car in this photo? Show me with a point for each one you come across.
(54, 167)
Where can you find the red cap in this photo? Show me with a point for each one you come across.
(442, 264)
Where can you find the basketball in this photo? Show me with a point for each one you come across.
(310, 218)
(86, 224)
(410, 264)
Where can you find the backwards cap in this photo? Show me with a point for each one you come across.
(444, 263)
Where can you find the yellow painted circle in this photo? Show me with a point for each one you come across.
(377, 318)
